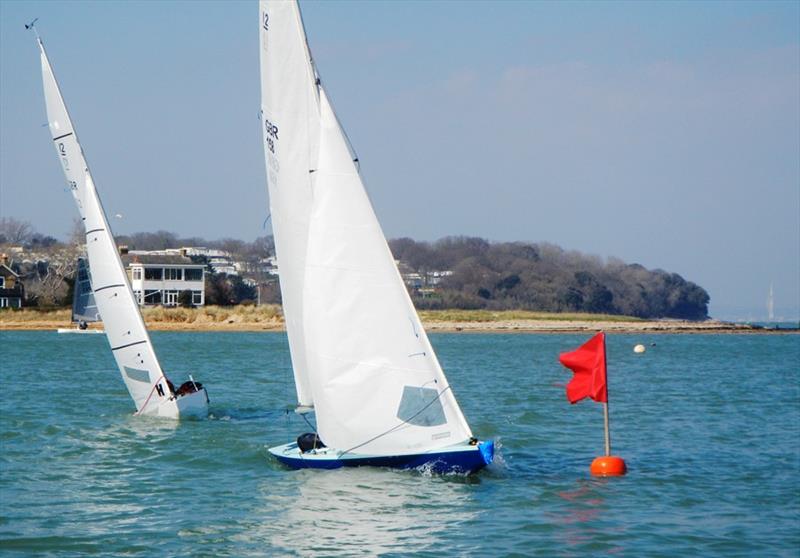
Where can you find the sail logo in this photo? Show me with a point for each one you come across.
(270, 134)
(266, 21)
(62, 151)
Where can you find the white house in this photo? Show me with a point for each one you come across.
(12, 291)
(159, 279)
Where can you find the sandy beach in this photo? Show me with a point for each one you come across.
(269, 318)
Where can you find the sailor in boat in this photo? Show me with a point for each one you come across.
(309, 441)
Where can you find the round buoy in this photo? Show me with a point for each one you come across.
(639, 348)
(608, 466)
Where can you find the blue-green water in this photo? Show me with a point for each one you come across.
(708, 424)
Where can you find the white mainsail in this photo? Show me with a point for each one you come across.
(377, 386)
(125, 329)
(290, 124)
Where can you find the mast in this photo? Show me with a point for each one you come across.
(770, 305)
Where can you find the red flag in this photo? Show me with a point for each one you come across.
(588, 362)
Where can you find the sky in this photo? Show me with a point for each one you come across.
(661, 133)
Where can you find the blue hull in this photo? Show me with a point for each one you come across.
(460, 459)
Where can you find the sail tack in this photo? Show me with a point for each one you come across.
(375, 381)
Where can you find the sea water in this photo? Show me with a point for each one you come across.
(709, 426)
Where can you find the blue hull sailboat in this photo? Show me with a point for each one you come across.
(462, 458)
(362, 361)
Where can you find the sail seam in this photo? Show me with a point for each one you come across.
(93, 231)
(382, 365)
(128, 345)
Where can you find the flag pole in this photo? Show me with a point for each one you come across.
(605, 403)
(591, 380)
(609, 465)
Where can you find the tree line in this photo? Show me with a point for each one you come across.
(544, 277)
(483, 274)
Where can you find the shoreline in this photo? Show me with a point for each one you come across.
(269, 318)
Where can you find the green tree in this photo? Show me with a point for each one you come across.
(185, 298)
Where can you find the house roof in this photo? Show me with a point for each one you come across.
(148, 259)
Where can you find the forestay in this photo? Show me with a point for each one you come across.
(377, 385)
(290, 124)
(123, 323)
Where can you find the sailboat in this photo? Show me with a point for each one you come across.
(127, 335)
(362, 361)
(84, 308)
(771, 304)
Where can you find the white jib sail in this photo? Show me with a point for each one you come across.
(290, 124)
(377, 385)
(125, 329)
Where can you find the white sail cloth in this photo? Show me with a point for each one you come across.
(290, 125)
(125, 330)
(376, 384)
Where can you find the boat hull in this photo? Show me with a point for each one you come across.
(193, 405)
(76, 330)
(464, 459)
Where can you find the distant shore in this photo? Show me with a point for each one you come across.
(270, 318)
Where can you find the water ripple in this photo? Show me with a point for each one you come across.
(709, 426)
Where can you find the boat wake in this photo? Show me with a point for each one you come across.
(242, 415)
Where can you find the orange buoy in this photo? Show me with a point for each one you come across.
(608, 466)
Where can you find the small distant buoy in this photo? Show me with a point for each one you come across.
(608, 466)
(639, 348)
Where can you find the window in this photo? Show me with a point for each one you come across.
(138, 296)
(137, 273)
(197, 298)
(152, 297)
(421, 406)
(170, 298)
(173, 274)
(193, 274)
(153, 273)
(2, 282)
(3, 303)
